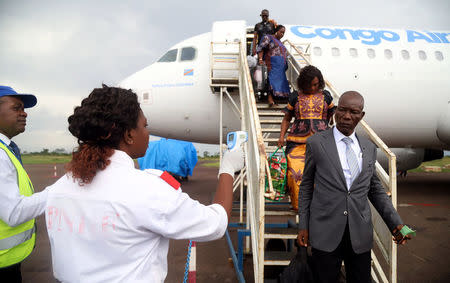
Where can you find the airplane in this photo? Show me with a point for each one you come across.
(402, 74)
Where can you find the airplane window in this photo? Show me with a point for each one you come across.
(170, 56)
(388, 54)
(405, 54)
(439, 55)
(317, 51)
(335, 52)
(422, 55)
(353, 52)
(371, 53)
(187, 54)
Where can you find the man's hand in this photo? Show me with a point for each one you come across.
(398, 237)
(302, 238)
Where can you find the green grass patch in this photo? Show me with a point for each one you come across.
(45, 158)
(211, 164)
(209, 158)
(440, 162)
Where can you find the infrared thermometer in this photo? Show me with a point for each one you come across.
(236, 139)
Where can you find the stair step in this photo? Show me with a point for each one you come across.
(281, 213)
(270, 140)
(275, 209)
(270, 149)
(281, 233)
(274, 114)
(266, 107)
(271, 121)
(235, 212)
(278, 258)
(270, 130)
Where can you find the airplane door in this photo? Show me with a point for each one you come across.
(226, 38)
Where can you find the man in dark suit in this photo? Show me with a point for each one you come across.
(338, 180)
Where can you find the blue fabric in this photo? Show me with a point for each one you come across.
(277, 76)
(177, 157)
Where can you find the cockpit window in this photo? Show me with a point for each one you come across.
(170, 56)
(188, 54)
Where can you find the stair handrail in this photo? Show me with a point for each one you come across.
(256, 162)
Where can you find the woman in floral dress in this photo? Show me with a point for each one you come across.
(312, 107)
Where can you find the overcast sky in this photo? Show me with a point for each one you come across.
(61, 50)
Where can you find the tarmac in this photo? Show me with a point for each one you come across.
(423, 203)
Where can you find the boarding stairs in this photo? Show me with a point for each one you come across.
(259, 218)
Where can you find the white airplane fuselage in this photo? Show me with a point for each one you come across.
(404, 76)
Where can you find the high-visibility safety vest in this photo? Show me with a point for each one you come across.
(16, 243)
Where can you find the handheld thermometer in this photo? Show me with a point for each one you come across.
(236, 139)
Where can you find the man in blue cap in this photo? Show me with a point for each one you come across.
(19, 205)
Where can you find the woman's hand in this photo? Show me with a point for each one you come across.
(280, 142)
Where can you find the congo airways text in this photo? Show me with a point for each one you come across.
(368, 36)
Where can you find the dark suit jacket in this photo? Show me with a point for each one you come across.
(325, 204)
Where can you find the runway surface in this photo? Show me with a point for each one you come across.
(423, 203)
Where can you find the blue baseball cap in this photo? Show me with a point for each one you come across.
(29, 100)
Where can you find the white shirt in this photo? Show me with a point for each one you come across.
(15, 208)
(342, 147)
(117, 228)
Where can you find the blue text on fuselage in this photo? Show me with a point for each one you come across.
(369, 36)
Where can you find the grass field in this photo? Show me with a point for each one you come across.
(206, 162)
(214, 162)
(440, 162)
(210, 161)
(45, 158)
(211, 164)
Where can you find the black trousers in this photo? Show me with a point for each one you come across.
(11, 274)
(327, 265)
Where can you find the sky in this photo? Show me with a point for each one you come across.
(61, 50)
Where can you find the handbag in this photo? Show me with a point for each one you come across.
(260, 77)
(257, 75)
(278, 169)
(298, 269)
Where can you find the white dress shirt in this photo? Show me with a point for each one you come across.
(117, 228)
(15, 208)
(342, 147)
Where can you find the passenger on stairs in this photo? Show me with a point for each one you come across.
(272, 53)
(312, 108)
(262, 29)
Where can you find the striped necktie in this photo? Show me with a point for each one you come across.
(352, 161)
(15, 150)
